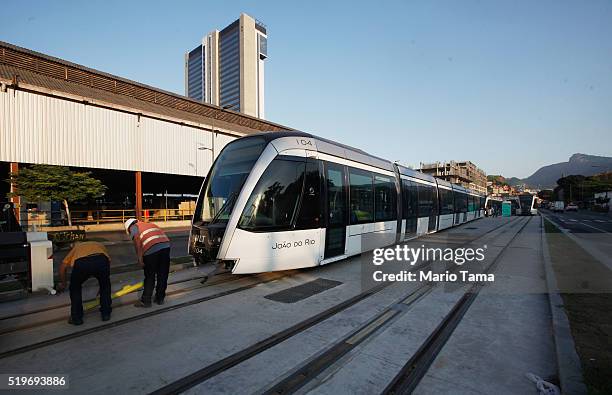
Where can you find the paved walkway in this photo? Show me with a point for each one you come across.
(504, 335)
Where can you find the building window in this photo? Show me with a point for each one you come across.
(195, 73)
(361, 196)
(229, 67)
(263, 47)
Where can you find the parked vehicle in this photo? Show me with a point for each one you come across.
(558, 206)
(571, 207)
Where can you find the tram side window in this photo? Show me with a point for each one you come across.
(482, 202)
(409, 199)
(426, 195)
(386, 208)
(435, 207)
(471, 205)
(335, 194)
(361, 196)
(460, 201)
(274, 201)
(447, 205)
(310, 208)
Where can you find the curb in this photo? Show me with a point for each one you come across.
(568, 362)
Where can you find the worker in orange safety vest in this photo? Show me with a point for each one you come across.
(153, 252)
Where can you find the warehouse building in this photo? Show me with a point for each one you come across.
(142, 142)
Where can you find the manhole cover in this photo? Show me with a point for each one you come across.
(303, 291)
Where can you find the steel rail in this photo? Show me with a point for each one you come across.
(313, 368)
(417, 366)
(113, 324)
(63, 305)
(209, 371)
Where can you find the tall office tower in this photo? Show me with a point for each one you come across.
(227, 68)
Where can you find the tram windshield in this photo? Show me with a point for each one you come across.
(274, 202)
(526, 201)
(226, 179)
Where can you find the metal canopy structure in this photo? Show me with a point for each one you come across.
(60, 113)
(20, 65)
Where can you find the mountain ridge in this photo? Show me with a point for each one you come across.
(583, 164)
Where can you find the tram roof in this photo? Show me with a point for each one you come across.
(334, 148)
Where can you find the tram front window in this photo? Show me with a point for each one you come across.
(226, 178)
(274, 201)
(526, 201)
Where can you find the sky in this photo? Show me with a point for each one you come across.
(509, 85)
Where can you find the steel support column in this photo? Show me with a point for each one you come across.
(14, 168)
(138, 195)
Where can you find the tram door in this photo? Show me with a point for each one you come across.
(335, 234)
(410, 203)
(433, 214)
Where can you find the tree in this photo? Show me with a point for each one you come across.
(546, 194)
(579, 187)
(58, 183)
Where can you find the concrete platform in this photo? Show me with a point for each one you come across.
(505, 334)
(140, 355)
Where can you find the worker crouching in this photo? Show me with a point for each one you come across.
(153, 252)
(87, 259)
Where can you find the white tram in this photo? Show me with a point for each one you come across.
(288, 200)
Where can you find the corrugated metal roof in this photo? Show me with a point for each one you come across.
(34, 68)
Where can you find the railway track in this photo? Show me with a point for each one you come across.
(151, 313)
(63, 305)
(232, 360)
(415, 369)
(296, 381)
(332, 355)
(225, 279)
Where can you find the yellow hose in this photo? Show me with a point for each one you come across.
(123, 291)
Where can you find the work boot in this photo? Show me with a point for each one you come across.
(75, 322)
(140, 303)
(105, 317)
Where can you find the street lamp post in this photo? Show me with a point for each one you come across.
(202, 147)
